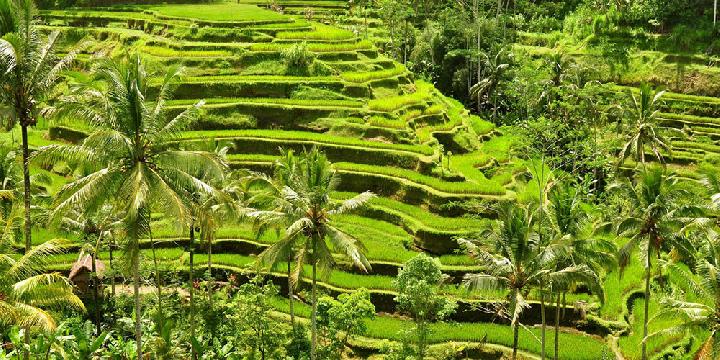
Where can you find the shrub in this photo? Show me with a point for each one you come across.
(222, 122)
(365, 76)
(298, 59)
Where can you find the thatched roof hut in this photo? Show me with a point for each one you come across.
(81, 270)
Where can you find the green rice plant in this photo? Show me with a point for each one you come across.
(298, 59)
(365, 76)
(480, 126)
(689, 145)
(434, 110)
(575, 346)
(94, 14)
(306, 136)
(168, 52)
(220, 12)
(499, 147)
(319, 32)
(412, 114)
(477, 186)
(206, 79)
(423, 92)
(669, 95)
(384, 241)
(381, 121)
(36, 137)
(268, 67)
(283, 101)
(690, 119)
(417, 217)
(315, 47)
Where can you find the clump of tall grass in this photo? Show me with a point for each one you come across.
(365, 76)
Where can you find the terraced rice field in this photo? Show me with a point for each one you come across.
(381, 127)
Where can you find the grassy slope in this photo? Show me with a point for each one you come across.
(385, 242)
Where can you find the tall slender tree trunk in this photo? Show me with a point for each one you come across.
(715, 13)
(557, 327)
(313, 345)
(26, 200)
(516, 335)
(648, 273)
(193, 351)
(516, 330)
(542, 315)
(495, 106)
(211, 280)
(112, 270)
(476, 15)
(96, 298)
(26, 185)
(158, 278)
(138, 315)
(290, 295)
(26, 338)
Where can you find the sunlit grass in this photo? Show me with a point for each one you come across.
(219, 12)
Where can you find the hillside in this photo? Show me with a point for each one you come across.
(300, 75)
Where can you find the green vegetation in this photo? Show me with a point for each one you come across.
(385, 179)
(219, 12)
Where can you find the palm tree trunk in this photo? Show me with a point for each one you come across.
(138, 316)
(313, 347)
(95, 284)
(112, 270)
(542, 315)
(211, 281)
(495, 106)
(290, 296)
(516, 334)
(158, 279)
(26, 338)
(26, 184)
(192, 291)
(557, 327)
(648, 272)
(313, 342)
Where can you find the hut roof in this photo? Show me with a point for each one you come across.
(85, 263)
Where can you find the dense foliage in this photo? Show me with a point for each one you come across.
(389, 179)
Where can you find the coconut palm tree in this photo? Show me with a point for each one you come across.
(494, 68)
(27, 291)
(265, 190)
(697, 315)
(208, 213)
(303, 208)
(10, 191)
(570, 228)
(30, 71)
(516, 266)
(644, 128)
(130, 158)
(656, 211)
(516, 260)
